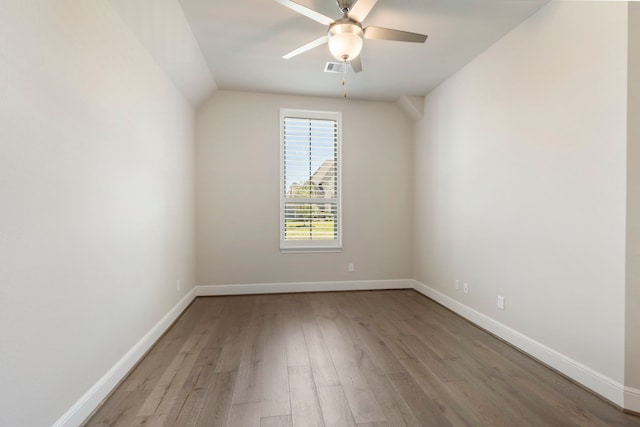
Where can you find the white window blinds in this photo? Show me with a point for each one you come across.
(310, 180)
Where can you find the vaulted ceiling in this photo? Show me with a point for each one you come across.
(243, 43)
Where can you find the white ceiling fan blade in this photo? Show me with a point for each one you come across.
(356, 64)
(379, 33)
(361, 10)
(303, 10)
(312, 44)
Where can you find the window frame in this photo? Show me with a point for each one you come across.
(288, 246)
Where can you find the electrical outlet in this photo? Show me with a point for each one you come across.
(177, 285)
(351, 268)
(457, 285)
(465, 288)
(500, 302)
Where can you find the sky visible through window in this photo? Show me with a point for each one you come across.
(309, 143)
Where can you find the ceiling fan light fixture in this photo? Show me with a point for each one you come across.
(345, 41)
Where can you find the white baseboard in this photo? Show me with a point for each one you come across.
(92, 398)
(275, 288)
(632, 399)
(593, 380)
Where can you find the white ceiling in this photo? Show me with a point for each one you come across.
(243, 43)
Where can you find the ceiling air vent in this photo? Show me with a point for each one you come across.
(334, 67)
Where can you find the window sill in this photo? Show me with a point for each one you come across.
(308, 250)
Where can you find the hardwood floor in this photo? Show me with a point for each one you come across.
(372, 358)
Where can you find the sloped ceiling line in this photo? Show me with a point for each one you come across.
(163, 30)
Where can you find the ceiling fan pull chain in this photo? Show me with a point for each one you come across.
(344, 78)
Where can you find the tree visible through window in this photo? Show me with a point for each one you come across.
(310, 180)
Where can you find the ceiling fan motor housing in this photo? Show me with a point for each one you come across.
(345, 39)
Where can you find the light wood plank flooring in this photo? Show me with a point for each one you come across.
(376, 358)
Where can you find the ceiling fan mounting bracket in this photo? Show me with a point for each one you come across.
(345, 5)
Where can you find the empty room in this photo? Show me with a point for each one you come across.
(319, 213)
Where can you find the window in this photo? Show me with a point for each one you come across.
(310, 217)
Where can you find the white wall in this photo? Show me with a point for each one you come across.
(520, 167)
(632, 360)
(238, 201)
(97, 201)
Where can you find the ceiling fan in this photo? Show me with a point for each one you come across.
(345, 35)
